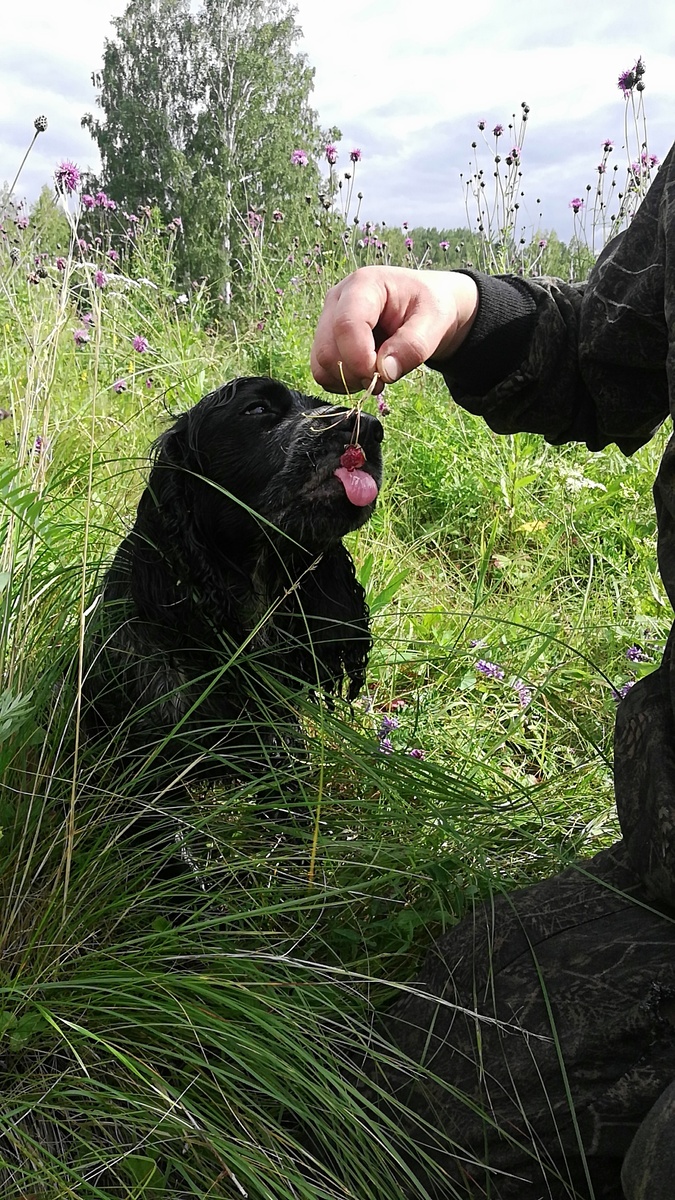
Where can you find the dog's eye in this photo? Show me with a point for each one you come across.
(254, 409)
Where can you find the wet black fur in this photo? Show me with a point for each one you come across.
(233, 590)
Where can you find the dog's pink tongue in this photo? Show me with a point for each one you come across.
(360, 487)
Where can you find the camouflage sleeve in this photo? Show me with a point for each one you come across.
(597, 363)
(586, 362)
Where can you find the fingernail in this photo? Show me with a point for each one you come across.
(390, 369)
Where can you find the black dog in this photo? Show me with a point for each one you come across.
(233, 590)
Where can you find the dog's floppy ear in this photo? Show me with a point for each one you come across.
(333, 607)
(165, 525)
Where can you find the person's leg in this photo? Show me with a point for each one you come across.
(648, 1171)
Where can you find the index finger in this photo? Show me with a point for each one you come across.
(345, 334)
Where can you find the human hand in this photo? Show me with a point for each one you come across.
(390, 320)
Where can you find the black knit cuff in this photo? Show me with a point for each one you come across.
(499, 338)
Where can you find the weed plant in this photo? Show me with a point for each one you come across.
(202, 1031)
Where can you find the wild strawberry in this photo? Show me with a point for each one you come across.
(353, 458)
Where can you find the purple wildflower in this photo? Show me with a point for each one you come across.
(576, 205)
(88, 320)
(80, 337)
(481, 124)
(88, 201)
(277, 215)
(178, 222)
(140, 344)
(489, 670)
(498, 130)
(355, 155)
(38, 445)
(637, 655)
(388, 723)
(83, 245)
(120, 385)
(622, 692)
(113, 255)
(101, 199)
(60, 263)
(382, 407)
(627, 81)
(477, 643)
(515, 153)
(299, 158)
(542, 243)
(100, 279)
(148, 382)
(386, 746)
(417, 752)
(602, 167)
(607, 145)
(409, 243)
(523, 692)
(648, 160)
(22, 222)
(67, 176)
(253, 220)
(331, 155)
(444, 246)
(110, 204)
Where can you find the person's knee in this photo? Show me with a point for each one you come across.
(648, 1171)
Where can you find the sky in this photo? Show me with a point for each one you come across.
(406, 84)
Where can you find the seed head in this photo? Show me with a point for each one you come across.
(40, 124)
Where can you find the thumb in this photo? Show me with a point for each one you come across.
(408, 348)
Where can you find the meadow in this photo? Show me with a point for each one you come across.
(164, 1041)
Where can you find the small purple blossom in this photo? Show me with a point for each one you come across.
(515, 153)
(622, 692)
(67, 176)
(648, 160)
(149, 381)
(277, 215)
(299, 158)
(355, 155)
(88, 320)
(523, 692)
(542, 243)
(80, 337)
(120, 385)
(83, 245)
(22, 222)
(140, 344)
(489, 669)
(607, 145)
(445, 246)
(477, 643)
(100, 279)
(60, 263)
(101, 199)
(576, 204)
(602, 167)
(386, 746)
(113, 255)
(637, 655)
(253, 220)
(498, 130)
(88, 201)
(331, 155)
(39, 445)
(388, 723)
(382, 407)
(417, 752)
(409, 243)
(626, 82)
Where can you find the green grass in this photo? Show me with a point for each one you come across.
(158, 1039)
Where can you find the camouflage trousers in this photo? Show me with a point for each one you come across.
(536, 1050)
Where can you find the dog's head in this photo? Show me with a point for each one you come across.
(263, 457)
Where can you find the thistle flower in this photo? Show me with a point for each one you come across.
(100, 279)
(67, 176)
(382, 407)
(331, 155)
(445, 246)
(80, 337)
(542, 243)
(607, 145)
(60, 263)
(355, 155)
(277, 215)
(498, 130)
(22, 222)
(140, 344)
(489, 669)
(409, 243)
(576, 204)
(626, 82)
(101, 199)
(299, 158)
(113, 255)
(481, 124)
(88, 201)
(88, 320)
(120, 385)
